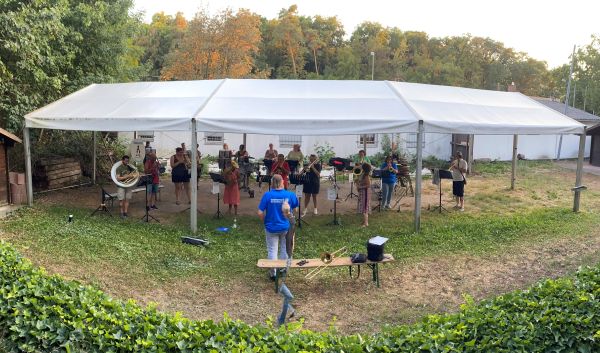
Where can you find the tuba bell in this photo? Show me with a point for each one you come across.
(132, 178)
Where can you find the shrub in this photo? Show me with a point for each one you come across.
(45, 313)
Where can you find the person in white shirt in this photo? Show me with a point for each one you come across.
(458, 169)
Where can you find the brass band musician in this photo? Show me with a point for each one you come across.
(282, 168)
(296, 155)
(271, 153)
(459, 168)
(124, 194)
(312, 185)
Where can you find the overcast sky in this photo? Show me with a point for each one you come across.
(547, 30)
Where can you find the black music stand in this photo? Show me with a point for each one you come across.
(443, 174)
(293, 165)
(404, 184)
(339, 164)
(295, 180)
(218, 178)
(104, 196)
(351, 194)
(144, 181)
(377, 174)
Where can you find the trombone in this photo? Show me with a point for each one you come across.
(327, 258)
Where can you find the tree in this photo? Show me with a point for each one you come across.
(52, 48)
(287, 35)
(215, 47)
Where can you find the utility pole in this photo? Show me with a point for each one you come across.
(567, 99)
(584, 97)
(372, 65)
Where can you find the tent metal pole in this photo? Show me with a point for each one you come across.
(244, 142)
(418, 180)
(28, 175)
(94, 153)
(579, 175)
(514, 162)
(194, 198)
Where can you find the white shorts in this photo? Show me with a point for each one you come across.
(123, 193)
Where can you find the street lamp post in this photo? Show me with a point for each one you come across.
(372, 65)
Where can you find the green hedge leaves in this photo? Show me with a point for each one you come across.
(43, 313)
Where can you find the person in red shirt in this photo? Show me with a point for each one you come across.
(282, 168)
(152, 168)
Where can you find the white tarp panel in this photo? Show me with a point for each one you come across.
(299, 107)
(305, 107)
(445, 109)
(160, 106)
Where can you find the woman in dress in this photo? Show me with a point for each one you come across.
(231, 196)
(180, 163)
(312, 185)
(282, 168)
(364, 193)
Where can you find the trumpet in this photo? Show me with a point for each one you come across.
(327, 258)
(308, 167)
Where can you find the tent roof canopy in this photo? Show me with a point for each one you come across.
(299, 107)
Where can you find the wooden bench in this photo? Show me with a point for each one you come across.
(112, 196)
(337, 262)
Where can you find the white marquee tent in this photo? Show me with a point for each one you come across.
(299, 107)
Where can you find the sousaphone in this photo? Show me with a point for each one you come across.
(132, 178)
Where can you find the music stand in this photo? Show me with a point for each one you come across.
(377, 174)
(351, 179)
(104, 196)
(293, 165)
(295, 179)
(218, 178)
(443, 174)
(144, 181)
(339, 164)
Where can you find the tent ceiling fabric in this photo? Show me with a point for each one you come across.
(445, 109)
(160, 106)
(299, 107)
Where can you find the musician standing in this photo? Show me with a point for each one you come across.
(389, 169)
(225, 157)
(296, 155)
(364, 193)
(180, 163)
(458, 169)
(152, 168)
(231, 196)
(282, 168)
(271, 154)
(124, 194)
(361, 158)
(312, 185)
(271, 212)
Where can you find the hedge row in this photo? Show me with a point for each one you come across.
(42, 313)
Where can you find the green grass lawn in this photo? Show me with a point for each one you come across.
(155, 252)
(132, 259)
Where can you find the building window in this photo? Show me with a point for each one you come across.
(213, 138)
(289, 140)
(370, 138)
(411, 141)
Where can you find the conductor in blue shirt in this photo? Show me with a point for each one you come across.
(272, 211)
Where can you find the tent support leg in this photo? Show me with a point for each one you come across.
(514, 162)
(194, 196)
(418, 180)
(28, 175)
(94, 153)
(579, 175)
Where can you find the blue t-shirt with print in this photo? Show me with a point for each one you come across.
(271, 202)
(389, 178)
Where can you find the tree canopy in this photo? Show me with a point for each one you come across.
(51, 48)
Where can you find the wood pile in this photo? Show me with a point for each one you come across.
(52, 173)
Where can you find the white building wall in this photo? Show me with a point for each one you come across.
(499, 147)
(166, 142)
